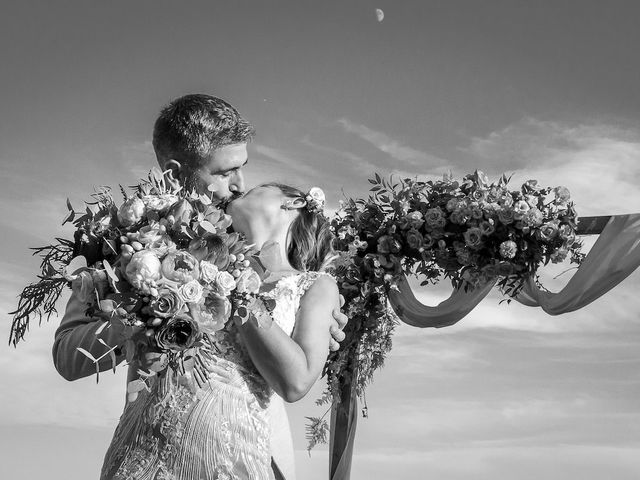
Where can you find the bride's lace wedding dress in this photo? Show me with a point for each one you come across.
(220, 430)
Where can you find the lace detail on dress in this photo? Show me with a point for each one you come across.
(213, 429)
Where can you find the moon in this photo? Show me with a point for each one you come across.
(379, 14)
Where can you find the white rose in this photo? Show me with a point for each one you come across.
(225, 282)
(208, 271)
(191, 292)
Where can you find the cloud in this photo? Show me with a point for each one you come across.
(139, 158)
(598, 162)
(390, 146)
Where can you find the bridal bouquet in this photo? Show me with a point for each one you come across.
(161, 261)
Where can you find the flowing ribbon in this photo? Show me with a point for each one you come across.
(614, 256)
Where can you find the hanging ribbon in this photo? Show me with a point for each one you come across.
(344, 420)
(413, 312)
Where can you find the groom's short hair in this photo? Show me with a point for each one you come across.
(192, 127)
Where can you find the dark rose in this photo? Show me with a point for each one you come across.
(166, 304)
(178, 333)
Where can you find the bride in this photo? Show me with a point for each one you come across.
(221, 430)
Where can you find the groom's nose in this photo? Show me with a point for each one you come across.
(237, 183)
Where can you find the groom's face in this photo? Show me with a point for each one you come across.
(221, 174)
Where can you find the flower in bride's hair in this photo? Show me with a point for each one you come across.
(212, 312)
(166, 304)
(191, 292)
(208, 272)
(225, 283)
(315, 199)
(180, 266)
(178, 333)
(248, 281)
(131, 211)
(143, 270)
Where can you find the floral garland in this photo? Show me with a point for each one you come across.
(162, 261)
(470, 232)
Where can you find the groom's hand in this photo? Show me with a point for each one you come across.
(340, 321)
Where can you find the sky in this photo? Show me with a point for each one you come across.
(544, 90)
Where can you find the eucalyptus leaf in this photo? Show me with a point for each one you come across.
(86, 353)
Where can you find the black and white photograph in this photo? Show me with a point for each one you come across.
(304, 240)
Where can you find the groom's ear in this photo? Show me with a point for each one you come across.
(174, 166)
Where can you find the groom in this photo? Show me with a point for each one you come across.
(202, 140)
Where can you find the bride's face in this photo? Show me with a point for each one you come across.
(259, 214)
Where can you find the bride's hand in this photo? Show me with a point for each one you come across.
(340, 321)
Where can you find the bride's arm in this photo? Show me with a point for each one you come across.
(291, 365)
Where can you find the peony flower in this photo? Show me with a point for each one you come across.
(178, 333)
(167, 304)
(225, 282)
(131, 211)
(159, 203)
(414, 239)
(508, 249)
(212, 312)
(533, 217)
(473, 237)
(143, 270)
(191, 292)
(248, 281)
(180, 266)
(208, 272)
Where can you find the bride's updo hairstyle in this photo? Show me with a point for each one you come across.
(310, 241)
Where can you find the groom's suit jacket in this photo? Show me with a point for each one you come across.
(78, 330)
